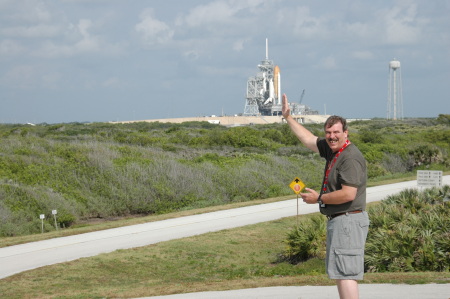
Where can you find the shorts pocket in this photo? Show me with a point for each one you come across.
(365, 222)
(349, 261)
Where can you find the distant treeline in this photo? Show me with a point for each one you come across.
(102, 170)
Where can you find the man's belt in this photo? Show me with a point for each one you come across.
(345, 213)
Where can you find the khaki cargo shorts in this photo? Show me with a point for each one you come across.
(346, 239)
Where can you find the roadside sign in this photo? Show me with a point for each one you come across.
(297, 185)
(429, 178)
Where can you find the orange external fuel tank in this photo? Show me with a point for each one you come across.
(276, 81)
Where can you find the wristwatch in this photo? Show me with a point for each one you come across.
(319, 200)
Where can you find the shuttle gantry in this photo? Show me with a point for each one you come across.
(264, 92)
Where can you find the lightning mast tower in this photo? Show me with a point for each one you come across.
(395, 97)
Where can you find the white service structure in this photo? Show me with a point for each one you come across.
(264, 89)
(264, 92)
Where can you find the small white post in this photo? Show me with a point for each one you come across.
(42, 216)
(54, 212)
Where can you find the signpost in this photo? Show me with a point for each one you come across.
(429, 178)
(297, 186)
(54, 215)
(42, 216)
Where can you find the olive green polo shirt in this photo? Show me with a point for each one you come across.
(350, 169)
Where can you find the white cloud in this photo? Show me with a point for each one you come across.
(328, 63)
(49, 30)
(51, 80)
(214, 12)
(363, 55)
(217, 26)
(232, 13)
(20, 76)
(29, 76)
(10, 47)
(191, 55)
(37, 31)
(152, 30)
(41, 13)
(302, 23)
(402, 25)
(76, 40)
(359, 30)
(25, 12)
(239, 45)
(111, 82)
(88, 43)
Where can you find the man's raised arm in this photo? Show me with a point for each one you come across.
(304, 135)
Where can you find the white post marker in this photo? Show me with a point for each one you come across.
(297, 186)
(42, 216)
(54, 212)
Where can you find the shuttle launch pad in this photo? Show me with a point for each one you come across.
(264, 92)
(263, 102)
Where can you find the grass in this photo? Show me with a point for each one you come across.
(102, 224)
(107, 170)
(244, 257)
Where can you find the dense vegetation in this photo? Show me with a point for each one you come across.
(102, 170)
(409, 231)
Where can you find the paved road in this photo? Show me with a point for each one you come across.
(15, 259)
(366, 291)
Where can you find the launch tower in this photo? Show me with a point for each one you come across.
(264, 91)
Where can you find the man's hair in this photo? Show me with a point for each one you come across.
(334, 119)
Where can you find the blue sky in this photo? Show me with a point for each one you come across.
(111, 60)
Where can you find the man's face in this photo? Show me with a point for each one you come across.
(335, 136)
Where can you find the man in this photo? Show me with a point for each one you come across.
(342, 199)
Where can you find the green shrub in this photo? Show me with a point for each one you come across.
(375, 170)
(444, 119)
(65, 219)
(371, 136)
(425, 154)
(306, 241)
(104, 170)
(410, 231)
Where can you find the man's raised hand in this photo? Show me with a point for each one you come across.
(286, 111)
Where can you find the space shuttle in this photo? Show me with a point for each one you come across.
(272, 85)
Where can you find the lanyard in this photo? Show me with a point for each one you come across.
(330, 166)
